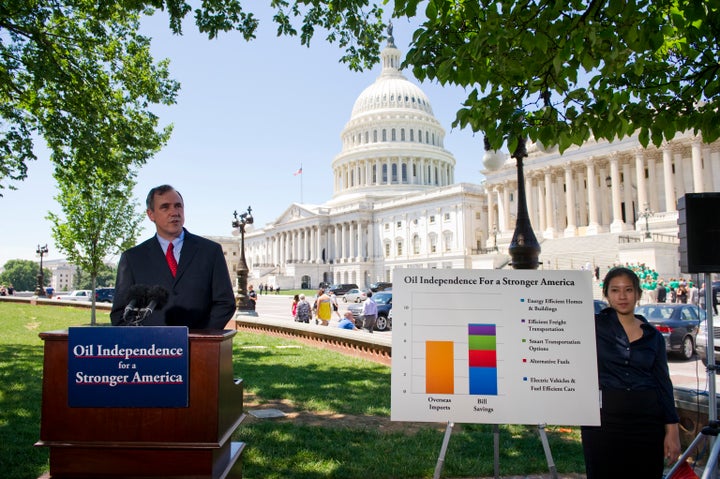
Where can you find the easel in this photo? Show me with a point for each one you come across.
(496, 450)
(709, 432)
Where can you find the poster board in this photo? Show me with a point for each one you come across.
(494, 347)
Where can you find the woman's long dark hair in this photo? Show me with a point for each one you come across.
(621, 271)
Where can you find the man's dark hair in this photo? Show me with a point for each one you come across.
(158, 190)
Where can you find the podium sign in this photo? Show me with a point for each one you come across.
(128, 367)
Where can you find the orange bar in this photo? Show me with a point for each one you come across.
(439, 367)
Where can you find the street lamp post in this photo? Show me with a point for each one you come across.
(243, 303)
(40, 288)
(646, 213)
(524, 248)
(495, 232)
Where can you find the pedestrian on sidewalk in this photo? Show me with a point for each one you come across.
(369, 313)
(333, 300)
(303, 311)
(323, 306)
(293, 307)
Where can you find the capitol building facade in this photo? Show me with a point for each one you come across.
(396, 205)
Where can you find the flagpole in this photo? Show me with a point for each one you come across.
(301, 185)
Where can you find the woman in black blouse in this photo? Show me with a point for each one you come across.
(639, 423)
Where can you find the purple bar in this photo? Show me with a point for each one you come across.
(481, 329)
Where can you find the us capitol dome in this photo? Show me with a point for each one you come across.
(393, 144)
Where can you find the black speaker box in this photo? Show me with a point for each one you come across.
(699, 222)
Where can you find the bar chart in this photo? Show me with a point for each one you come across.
(494, 347)
(482, 359)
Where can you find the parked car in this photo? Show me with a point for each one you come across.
(701, 338)
(76, 295)
(104, 295)
(340, 289)
(380, 286)
(383, 300)
(599, 305)
(701, 342)
(354, 296)
(678, 324)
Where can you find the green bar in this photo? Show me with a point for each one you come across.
(485, 343)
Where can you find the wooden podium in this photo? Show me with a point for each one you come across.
(193, 442)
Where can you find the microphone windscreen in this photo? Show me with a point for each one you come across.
(158, 294)
(138, 295)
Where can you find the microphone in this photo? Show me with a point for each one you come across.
(157, 297)
(136, 298)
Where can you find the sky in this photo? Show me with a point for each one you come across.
(248, 116)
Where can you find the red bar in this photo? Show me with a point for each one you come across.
(482, 359)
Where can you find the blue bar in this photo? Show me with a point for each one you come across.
(483, 381)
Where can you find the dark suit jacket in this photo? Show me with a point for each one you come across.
(201, 295)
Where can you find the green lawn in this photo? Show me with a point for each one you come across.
(311, 380)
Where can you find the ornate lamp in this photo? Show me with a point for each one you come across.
(524, 248)
(244, 304)
(646, 213)
(40, 288)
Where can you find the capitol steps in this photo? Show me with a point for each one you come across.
(574, 252)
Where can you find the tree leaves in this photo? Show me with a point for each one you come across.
(607, 68)
(78, 74)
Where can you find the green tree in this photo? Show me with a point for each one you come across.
(78, 74)
(105, 277)
(561, 71)
(22, 274)
(99, 219)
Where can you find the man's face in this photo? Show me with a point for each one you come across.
(168, 214)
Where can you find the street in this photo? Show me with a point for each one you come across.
(278, 306)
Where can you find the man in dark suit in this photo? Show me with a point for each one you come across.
(200, 291)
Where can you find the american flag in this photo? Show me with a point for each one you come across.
(298, 172)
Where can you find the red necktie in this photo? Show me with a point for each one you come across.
(171, 259)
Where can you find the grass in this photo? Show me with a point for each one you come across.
(311, 380)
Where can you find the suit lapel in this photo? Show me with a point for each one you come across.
(157, 259)
(187, 253)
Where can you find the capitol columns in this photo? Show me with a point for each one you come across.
(592, 193)
(532, 210)
(628, 198)
(491, 221)
(668, 178)
(505, 220)
(679, 174)
(617, 224)
(652, 180)
(642, 191)
(710, 154)
(571, 228)
(698, 180)
(500, 208)
(540, 194)
(549, 210)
